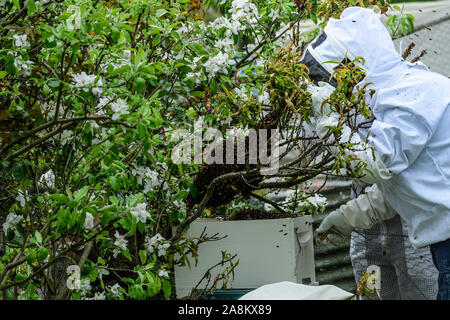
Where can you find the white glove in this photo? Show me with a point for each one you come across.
(360, 213)
(318, 94)
(335, 222)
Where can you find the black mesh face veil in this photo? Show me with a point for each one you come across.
(316, 71)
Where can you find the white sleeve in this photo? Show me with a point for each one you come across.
(399, 138)
(367, 210)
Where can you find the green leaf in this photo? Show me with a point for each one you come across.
(139, 84)
(62, 219)
(153, 284)
(140, 55)
(142, 131)
(59, 197)
(193, 191)
(198, 94)
(143, 256)
(126, 253)
(213, 86)
(198, 48)
(167, 288)
(73, 219)
(133, 227)
(19, 171)
(180, 195)
(79, 194)
(115, 183)
(38, 237)
(138, 292)
(3, 74)
(31, 256)
(42, 254)
(16, 3)
(31, 7)
(160, 12)
(120, 70)
(53, 83)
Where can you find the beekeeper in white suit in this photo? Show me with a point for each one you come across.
(410, 134)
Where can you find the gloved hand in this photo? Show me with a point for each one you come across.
(335, 222)
(319, 93)
(360, 213)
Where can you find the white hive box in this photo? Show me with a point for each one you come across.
(269, 251)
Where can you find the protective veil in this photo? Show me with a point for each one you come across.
(410, 130)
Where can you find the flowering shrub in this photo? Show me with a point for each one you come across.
(92, 93)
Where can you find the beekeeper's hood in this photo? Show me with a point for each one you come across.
(358, 33)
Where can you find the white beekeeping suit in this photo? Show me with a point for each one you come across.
(412, 146)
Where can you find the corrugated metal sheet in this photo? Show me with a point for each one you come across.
(333, 265)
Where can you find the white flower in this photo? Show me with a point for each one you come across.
(242, 5)
(120, 242)
(86, 81)
(218, 23)
(65, 136)
(22, 197)
(115, 290)
(264, 98)
(85, 286)
(127, 55)
(274, 14)
(153, 242)
(83, 80)
(102, 272)
(88, 221)
(163, 273)
(151, 179)
(224, 44)
(23, 66)
(227, 120)
(218, 63)
(317, 200)
(102, 103)
(290, 195)
(180, 100)
(12, 220)
(21, 40)
(49, 109)
(180, 205)
(234, 27)
(195, 76)
(242, 93)
(183, 29)
(47, 179)
(146, 176)
(97, 90)
(119, 108)
(140, 212)
(196, 59)
(99, 296)
(162, 249)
